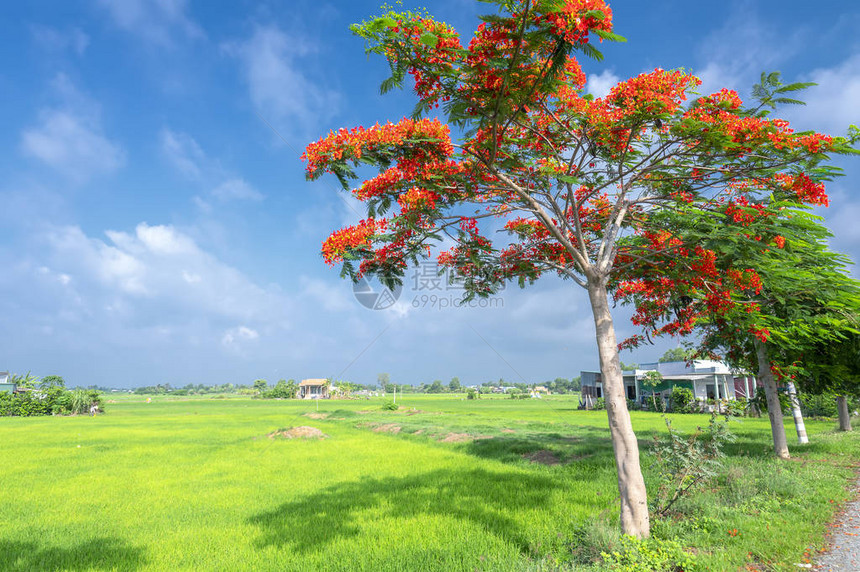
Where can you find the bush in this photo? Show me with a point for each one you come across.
(682, 400)
(599, 404)
(390, 406)
(471, 393)
(282, 390)
(684, 463)
(736, 407)
(651, 554)
(55, 400)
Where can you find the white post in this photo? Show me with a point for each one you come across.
(395, 393)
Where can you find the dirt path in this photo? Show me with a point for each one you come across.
(843, 554)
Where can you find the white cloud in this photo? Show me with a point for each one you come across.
(72, 144)
(831, 105)
(278, 88)
(234, 336)
(157, 21)
(160, 264)
(186, 155)
(599, 84)
(69, 137)
(236, 189)
(183, 152)
(54, 40)
(736, 53)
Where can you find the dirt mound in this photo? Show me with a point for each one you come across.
(388, 428)
(506, 430)
(301, 432)
(316, 415)
(457, 438)
(543, 457)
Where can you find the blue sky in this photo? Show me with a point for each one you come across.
(154, 228)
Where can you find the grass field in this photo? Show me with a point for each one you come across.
(442, 484)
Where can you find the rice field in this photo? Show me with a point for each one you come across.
(443, 483)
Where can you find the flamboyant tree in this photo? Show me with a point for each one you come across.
(799, 297)
(574, 181)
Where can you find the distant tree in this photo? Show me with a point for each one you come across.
(436, 387)
(651, 380)
(282, 390)
(261, 385)
(676, 354)
(51, 381)
(629, 366)
(454, 385)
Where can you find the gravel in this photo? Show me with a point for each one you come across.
(843, 554)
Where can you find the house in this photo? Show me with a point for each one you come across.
(314, 389)
(707, 380)
(6, 383)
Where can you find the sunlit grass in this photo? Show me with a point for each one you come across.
(196, 484)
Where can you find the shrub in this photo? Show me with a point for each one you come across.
(471, 393)
(684, 463)
(682, 400)
(736, 407)
(390, 406)
(599, 404)
(282, 390)
(651, 554)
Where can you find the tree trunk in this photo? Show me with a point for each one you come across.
(797, 414)
(631, 485)
(774, 409)
(844, 415)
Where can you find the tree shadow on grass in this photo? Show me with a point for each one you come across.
(582, 444)
(95, 554)
(479, 496)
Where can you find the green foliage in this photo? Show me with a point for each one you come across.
(51, 381)
(471, 393)
(683, 463)
(436, 387)
(261, 385)
(282, 390)
(682, 400)
(650, 555)
(676, 354)
(599, 404)
(52, 399)
(390, 406)
(736, 407)
(454, 385)
(824, 404)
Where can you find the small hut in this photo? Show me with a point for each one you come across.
(314, 389)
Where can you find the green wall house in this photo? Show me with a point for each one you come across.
(6, 383)
(707, 379)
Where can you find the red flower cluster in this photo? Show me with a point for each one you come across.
(419, 140)
(349, 238)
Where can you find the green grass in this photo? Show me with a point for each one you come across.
(196, 484)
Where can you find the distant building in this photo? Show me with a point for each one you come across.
(6, 383)
(707, 379)
(314, 389)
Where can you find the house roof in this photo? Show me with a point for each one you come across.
(307, 382)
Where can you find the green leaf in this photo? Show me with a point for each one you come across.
(429, 39)
(610, 36)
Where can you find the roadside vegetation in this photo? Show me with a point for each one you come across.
(47, 396)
